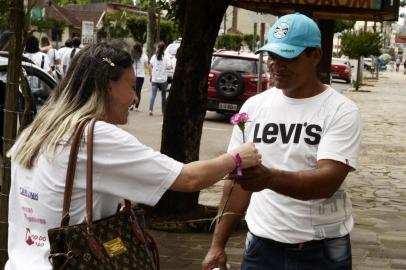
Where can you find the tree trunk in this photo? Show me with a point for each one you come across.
(186, 106)
(358, 81)
(327, 35)
(10, 115)
(151, 30)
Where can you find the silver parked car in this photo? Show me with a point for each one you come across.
(170, 54)
(39, 82)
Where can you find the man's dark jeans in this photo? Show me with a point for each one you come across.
(327, 254)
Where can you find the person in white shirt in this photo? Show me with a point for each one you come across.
(298, 209)
(140, 64)
(100, 87)
(159, 76)
(70, 53)
(62, 51)
(53, 55)
(33, 52)
(39, 90)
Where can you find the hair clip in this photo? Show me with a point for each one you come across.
(108, 61)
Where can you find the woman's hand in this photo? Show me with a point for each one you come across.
(249, 155)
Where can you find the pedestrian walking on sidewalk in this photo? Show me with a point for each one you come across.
(99, 84)
(140, 64)
(404, 67)
(398, 61)
(159, 76)
(298, 210)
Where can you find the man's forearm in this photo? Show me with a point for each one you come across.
(235, 210)
(318, 183)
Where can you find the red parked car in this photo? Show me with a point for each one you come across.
(341, 69)
(233, 79)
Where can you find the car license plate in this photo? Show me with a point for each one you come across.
(228, 106)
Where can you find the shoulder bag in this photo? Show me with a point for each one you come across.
(115, 242)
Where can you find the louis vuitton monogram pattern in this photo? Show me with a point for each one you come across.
(73, 240)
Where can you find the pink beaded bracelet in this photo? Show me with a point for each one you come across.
(238, 163)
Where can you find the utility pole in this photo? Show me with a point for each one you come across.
(254, 38)
(225, 23)
(235, 18)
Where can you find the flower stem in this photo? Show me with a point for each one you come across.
(232, 185)
(226, 202)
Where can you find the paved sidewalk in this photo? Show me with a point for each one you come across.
(377, 188)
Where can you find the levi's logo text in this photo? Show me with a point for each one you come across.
(272, 132)
(26, 192)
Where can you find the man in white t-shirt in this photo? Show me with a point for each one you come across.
(70, 53)
(298, 210)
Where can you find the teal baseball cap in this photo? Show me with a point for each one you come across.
(291, 34)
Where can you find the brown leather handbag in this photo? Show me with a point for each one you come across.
(115, 242)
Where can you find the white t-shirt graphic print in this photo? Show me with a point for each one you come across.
(292, 135)
(139, 66)
(159, 73)
(120, 170)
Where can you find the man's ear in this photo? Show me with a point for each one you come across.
(317, 54)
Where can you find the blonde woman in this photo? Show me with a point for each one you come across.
(99, 83)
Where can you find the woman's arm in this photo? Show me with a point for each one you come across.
(197, 175)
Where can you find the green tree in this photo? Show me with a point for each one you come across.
(115, 25)
(137, 25)
(168, 31)
(234, 41)
(47, 24)
(340, 26)
(357, 44)
(229, 42)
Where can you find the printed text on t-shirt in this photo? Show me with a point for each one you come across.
(270, 132)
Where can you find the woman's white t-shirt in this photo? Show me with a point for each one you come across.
(40, 59)
(159, 73)
(122, 168)
(139, 66)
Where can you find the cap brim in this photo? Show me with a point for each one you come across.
(283, 50)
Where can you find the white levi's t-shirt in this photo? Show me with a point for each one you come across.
(159, 73)
(122, 168)
(292, 135)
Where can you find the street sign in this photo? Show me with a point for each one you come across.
(87, 32)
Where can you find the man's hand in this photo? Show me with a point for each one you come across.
(254, 179)
(216, 257)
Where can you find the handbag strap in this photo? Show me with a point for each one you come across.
(89, 174)
(70, 173)
(89, 178)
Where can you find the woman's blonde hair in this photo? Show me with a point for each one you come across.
(81, 95)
